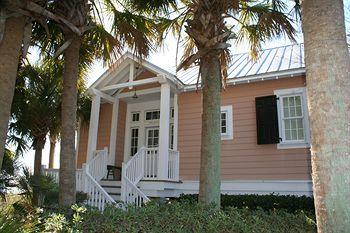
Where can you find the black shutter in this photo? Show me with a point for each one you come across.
(267, 120)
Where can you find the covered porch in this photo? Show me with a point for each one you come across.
(149, 97)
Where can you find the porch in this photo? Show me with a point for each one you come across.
(144, 144)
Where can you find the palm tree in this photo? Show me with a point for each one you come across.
(35, 106)
(82, 40)
(328, 87)
(206, 24)
(15, 32)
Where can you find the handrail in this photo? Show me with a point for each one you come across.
(95, 170)
(132, 173)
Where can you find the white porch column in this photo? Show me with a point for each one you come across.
(114, 128)
(176, 120)
(164, 131)
(93, 127)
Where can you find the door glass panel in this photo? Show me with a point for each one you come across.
(152, 138)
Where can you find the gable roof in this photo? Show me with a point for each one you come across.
(270, 62)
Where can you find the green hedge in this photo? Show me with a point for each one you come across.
(267, 202)
(191, 217)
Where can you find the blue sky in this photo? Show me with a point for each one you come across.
(165, 58)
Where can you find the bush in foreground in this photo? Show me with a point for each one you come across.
(190, 217)
(288, 203)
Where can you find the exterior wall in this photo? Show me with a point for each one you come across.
(104, 132)
(242, 158)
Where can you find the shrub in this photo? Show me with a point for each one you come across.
(191, 217)
(288, 203)
(45, 187)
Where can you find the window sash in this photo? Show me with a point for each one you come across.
(290, 118)
(134, 141)
(223, 123)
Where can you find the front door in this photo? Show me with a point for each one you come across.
(151, 160)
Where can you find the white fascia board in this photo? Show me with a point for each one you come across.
(102, 95)
(109, 71)
(257, 78)
(131, 84)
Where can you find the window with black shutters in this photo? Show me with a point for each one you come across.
(267, 120)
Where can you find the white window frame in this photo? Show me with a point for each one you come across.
(229, 123)
(152, 110)
(132, 115)
(287, 93)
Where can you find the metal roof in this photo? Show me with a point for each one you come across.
(270, 61)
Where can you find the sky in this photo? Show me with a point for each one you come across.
(163, 57)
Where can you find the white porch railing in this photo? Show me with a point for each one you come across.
(54, 173)
(94, 171)
(132, 173)
(173, 165)
(87, 180)
(150, 164)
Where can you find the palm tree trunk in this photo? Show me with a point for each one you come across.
(39, 146)
(209, 187)
(328, 86)
(52, 152)
(69, 108)
(10, 47)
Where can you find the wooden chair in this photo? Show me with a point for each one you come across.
(111, 171)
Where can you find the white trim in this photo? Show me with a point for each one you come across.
(93, 127)
(176, 121)
(164, 125)
(112, 73)
(229, 123)
(290, 92)
(114, 130)
(131, 73)
(140, 92)
(283, 187)
(105, 96)
(131, 84)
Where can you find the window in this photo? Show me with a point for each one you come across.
(223, 122)
(152, 137)
(172, 113)
(152, 115)
(171, 138)
(293, 118)
(135, 116)
(226, 123)
(134, 141)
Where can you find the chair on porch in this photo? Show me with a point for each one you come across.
(112, 171)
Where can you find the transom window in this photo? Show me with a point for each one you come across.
(152, 115)
(135, 117)
(134, 141)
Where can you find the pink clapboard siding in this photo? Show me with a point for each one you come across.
(242, 158)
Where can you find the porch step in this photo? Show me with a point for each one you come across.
(113, 188)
